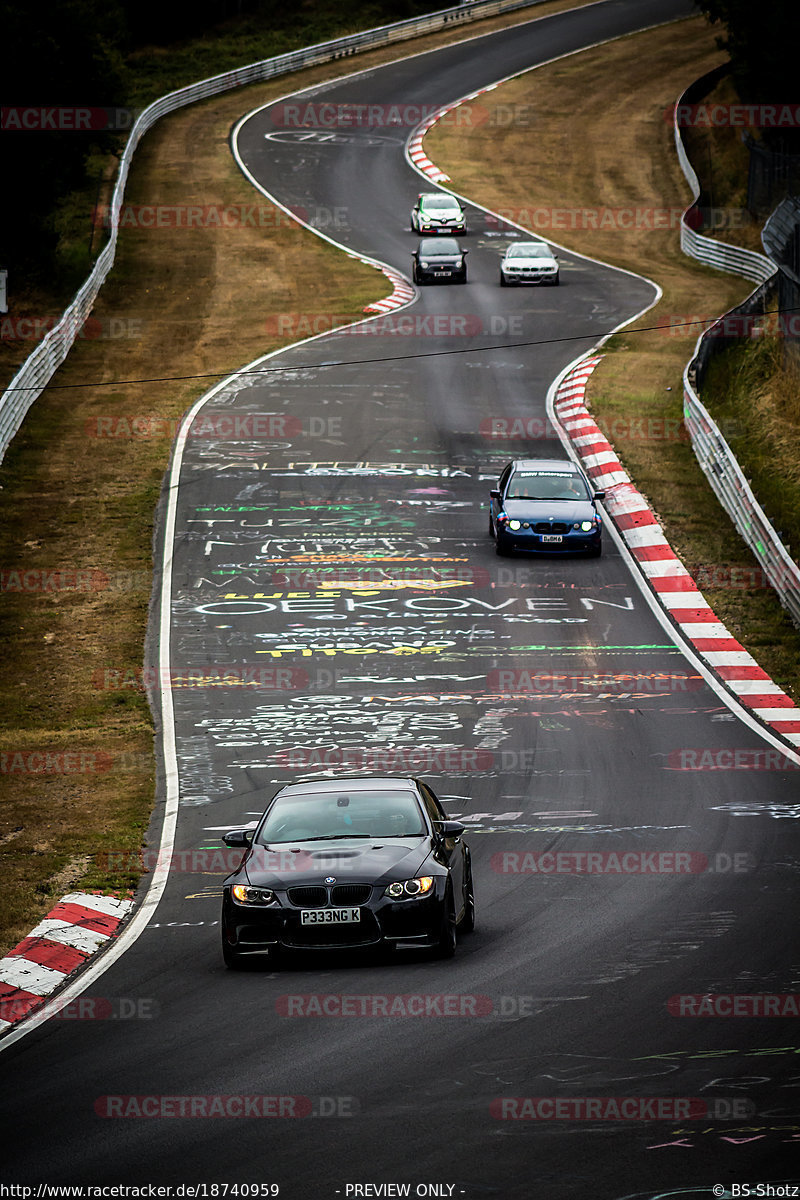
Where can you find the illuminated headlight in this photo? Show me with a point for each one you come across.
(410, 887)
(252, 895)
(424, 263)
(587, 526)
(514, 524)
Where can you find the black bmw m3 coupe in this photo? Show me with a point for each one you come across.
(345, 863)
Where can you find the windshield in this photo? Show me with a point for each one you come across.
(529, 250)
(551, 486)
(440, 246)
(330, 816)
(446, 202)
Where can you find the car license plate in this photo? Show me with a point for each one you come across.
(330, 916)
(551, 537)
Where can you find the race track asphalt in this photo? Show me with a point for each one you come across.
(331, 554)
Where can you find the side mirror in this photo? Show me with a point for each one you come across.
(599, 495)
(465, 253)
(495, 493)
(238, 837)
(451, 829)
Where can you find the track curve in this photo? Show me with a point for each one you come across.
(542, 700)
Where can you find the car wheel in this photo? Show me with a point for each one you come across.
(446, 942)
(500, 550)
(463, 278)
(468, 920)
(596, 551)
(491, 526)
(503, 280)
(556, 281)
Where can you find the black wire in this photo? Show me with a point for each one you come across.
(357, 362)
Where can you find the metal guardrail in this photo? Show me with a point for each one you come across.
(736, 496)
(713, 453)
(710, 251)
(40, 366)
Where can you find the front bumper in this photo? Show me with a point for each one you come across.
(252, 929)
(529, 542)
(530, 276)
(446, 273)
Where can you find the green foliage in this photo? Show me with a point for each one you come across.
(762, 40)
(91, 53)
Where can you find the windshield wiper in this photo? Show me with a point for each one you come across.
(336, 837)
(333, 837)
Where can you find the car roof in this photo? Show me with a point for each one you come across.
(351, 783)
(528, 242)
(438, 196)
(545, 464)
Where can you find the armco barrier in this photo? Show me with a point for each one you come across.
(40, 366)
(715, 456)
(705, 249)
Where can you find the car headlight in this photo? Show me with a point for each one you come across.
(514, 524)
(423, 262)
(410, 887)
(587, 526)
(252, 895)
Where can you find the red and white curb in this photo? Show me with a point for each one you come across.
(414, 151)
(401, 294)
(418, 156)
(79, 925)
(670, 581)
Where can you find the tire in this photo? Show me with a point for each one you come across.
(446, 942)
(491, 526)
(468, 920)
(503, 280)
(556, 281)
(463, 278)
(596, 551)
(502, 551)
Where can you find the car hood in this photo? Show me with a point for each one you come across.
(446, 214)
(542, 510)
(530, 264)
(373, 860)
